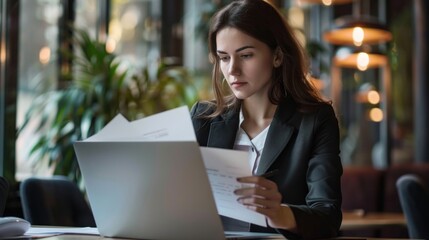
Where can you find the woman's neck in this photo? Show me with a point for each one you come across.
(257, 115)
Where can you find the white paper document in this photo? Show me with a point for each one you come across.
(223, 166)
(171, 125)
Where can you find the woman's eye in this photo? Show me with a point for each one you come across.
(224, 58)
(245, 56)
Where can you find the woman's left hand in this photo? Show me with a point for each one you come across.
(262, 196)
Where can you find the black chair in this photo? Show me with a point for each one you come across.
(55, 201)
(4, 190)
(414, 199)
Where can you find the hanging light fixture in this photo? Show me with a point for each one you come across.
(358, 29)
(361, 59)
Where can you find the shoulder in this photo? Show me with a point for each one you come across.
(202, 109)
(320, 116)
(200, 113)
(322, 109)
(313, 111)
(325, 120)
(201, 121)
(326, 111)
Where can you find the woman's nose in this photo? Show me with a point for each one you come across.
(234, 68)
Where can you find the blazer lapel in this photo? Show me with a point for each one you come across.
(278, 136)
(222, 133)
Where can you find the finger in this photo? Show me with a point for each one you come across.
(259, 192)
(252, 191)
(260, 181)
(259, 202)
(268, 212)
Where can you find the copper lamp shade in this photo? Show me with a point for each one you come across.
(372, 32)
(360, 60)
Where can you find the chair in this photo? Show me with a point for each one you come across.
(414, 199)
(4, 190)
(55, 201)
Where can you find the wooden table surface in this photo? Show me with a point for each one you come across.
(371, 220)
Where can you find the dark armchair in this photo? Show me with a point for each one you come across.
(55, 201)
(414, 199)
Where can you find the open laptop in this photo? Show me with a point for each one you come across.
(151, 190)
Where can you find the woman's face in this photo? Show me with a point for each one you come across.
(246, 63)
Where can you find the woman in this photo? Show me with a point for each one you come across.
(272, 110)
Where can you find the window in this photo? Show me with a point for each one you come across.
(133, 35)
(37, 67)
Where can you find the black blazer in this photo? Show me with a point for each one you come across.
(305, 148)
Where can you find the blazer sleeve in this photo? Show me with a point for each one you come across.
(321, 216)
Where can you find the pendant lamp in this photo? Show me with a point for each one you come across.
(358, 29)
(361, 59)
(355, 31)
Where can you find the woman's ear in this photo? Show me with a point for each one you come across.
(278, 57)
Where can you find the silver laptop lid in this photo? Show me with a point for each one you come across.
(151, 190)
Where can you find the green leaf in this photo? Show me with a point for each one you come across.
(86, 124)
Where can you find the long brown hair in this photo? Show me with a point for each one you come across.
(262, 21)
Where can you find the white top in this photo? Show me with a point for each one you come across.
(255, 146)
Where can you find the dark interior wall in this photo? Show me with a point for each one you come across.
(421, 81)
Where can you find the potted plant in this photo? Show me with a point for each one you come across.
(98, 90)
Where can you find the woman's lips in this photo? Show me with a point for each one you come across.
(238, 84)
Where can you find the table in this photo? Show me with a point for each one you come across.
(93, 237)
(75, 236)
(371, 220)
(87, 237)
(356, 220)
(82, 233)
